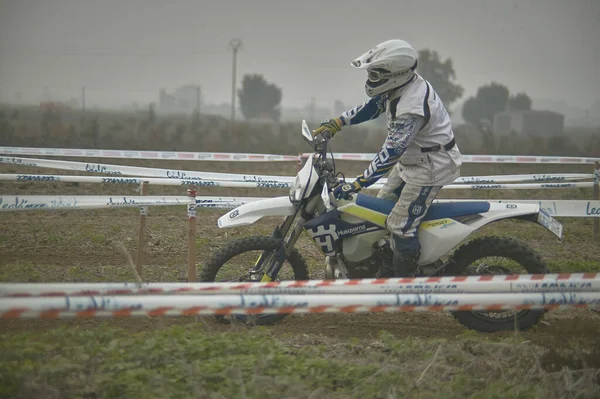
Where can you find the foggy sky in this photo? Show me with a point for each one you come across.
(128, 49)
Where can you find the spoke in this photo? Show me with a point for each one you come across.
(495, 266)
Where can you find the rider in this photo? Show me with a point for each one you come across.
(419, 152)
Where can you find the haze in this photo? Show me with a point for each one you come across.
(125, 51)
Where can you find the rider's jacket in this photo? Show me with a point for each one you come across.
(420, 137)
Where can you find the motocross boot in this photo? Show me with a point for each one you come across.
(404, 264)
(406, 256)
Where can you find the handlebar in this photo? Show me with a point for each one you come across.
(324, 166)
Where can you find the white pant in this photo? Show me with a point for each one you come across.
(414, 182)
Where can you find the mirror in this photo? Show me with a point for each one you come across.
(325, 197)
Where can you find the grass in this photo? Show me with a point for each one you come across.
(304, 356)
(190, 361)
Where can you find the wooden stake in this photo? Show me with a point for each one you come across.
(142, 232)
(192, 236)
(596, 197)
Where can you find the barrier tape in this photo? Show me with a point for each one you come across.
(561, 208)
(575, 282)
(482, 158)
(248, 157)
(283, 184)
(35, 202)
(23, 313)
(518, 186)
(163, 181)
(136, 154)
(152, 305)
(545, 177)
(52, 202)
(137, 170)
(213, 176)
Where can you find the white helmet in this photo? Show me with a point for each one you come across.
(389, 65)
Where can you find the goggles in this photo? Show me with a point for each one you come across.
(377, 74)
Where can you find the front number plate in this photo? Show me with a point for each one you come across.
(550, 223)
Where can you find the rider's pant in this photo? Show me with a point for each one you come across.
(412, 202)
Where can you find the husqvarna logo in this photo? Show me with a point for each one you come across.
(325, 237)
(417, 209)
(351, 230)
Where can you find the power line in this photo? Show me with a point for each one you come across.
(108, 53)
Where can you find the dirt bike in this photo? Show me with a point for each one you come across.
(352, 236)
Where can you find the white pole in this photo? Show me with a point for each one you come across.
(106, 306)
(579, 282)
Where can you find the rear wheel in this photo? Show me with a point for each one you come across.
(234, 263)
(496, 255)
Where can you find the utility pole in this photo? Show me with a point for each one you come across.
(82, 120)
(198, 99)
(83, 98)
(235, 44)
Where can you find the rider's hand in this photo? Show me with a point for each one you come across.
(343, 190)
(332, 126)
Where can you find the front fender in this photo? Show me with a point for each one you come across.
(253, 211)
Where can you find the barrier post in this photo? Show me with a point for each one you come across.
(142, 232)
(596, 197)
(192, 235)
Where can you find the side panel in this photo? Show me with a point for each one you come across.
(440, 236)
(360, 247)
(253, 211)
(328, 228)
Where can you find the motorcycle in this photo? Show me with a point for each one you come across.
(352, 236)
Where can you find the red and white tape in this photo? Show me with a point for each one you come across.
(136, 154)
(574, 282)
(565, 160)
(178, 305)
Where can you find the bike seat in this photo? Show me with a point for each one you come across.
(440, 210)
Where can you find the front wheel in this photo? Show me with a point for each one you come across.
(235, 261)
(496, 255)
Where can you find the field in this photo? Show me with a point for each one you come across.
(425, 355)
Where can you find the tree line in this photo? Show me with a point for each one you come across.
(259, 98)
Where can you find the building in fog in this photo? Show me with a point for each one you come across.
(185, 99)
(533, 122)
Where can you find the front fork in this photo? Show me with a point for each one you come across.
(286, 244)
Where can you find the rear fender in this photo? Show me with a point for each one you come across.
(251, 212)
(439, 236)
(529, 212)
